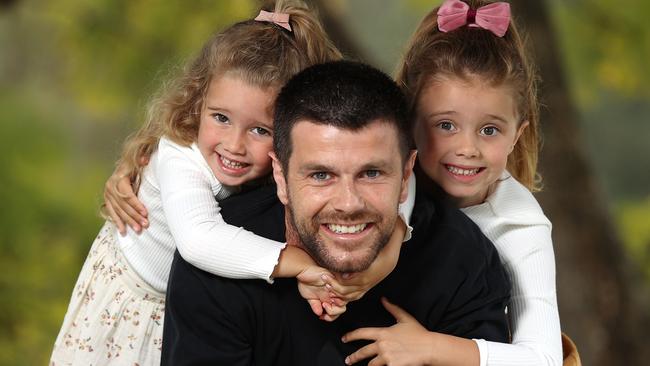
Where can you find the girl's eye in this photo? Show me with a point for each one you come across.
(261, 131)
(489, 131)
(220, 118)
(446, 125)
(320, 176)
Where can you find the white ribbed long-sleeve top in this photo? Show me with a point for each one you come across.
(179, 190)
(513, 220)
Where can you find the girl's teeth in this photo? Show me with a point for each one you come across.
(232, 164)
(459, 171)
(346, 229)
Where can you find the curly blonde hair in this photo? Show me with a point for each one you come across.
(261, 54)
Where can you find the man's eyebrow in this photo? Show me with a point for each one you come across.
(379, 164)
(314, 167)
(376, 164)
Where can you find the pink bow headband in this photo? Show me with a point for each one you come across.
(494, 17)
(280, 19)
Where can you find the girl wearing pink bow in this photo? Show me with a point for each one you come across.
(472, 93)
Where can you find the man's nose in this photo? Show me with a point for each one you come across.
(347, 197)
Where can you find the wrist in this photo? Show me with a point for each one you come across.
(452, 350)
(292, 262)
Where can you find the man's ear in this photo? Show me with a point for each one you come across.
(278, 176)
(408, 171)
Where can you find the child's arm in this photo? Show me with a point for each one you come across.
(533, 312)
(409, 343)
(187, 185)
(525, 246)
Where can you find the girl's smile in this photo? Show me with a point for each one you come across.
(464, 132)
(236, 130)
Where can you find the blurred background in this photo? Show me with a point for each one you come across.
(75, 77)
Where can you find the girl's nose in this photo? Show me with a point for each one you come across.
(467, 146)
(235, 143)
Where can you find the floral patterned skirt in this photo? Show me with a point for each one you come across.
(114, 317)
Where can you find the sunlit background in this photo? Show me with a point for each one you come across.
(75, 76)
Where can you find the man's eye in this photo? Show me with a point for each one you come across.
(320, 176)
(373, 173)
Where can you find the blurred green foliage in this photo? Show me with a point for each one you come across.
(75, 75)
(607, 47)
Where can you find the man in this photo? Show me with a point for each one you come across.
(342, 166)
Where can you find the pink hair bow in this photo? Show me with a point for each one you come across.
(494, 17)
(281, 19)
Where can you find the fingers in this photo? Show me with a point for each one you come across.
(348, 292)
(125, 206)
(334, 310)
(368, 333)
(125, 217)
(115, 218)
(316, 307)
(378, 361)
(362, 353)
(328, 318)
(337, 300)
(124, 189)
(400, 314)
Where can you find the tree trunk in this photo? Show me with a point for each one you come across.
(597, 306)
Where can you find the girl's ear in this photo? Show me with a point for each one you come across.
(278, 176)
(520, 131)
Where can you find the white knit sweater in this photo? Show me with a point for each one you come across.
(179, 190)
(513, 220)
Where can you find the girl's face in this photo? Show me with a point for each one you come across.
(236, 130)
(464, 132)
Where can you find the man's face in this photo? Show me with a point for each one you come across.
(343, 189)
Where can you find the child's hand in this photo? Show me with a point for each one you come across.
(323, 302)
(295, 262)
(405, 343)
(122, 205)
(409, 343)
(352, 286)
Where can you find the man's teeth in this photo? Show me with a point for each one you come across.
(346, 229)
(459, 171)
(231, 163)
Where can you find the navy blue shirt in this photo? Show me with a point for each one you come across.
(448, 277)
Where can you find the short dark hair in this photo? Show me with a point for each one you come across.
(344, 94)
